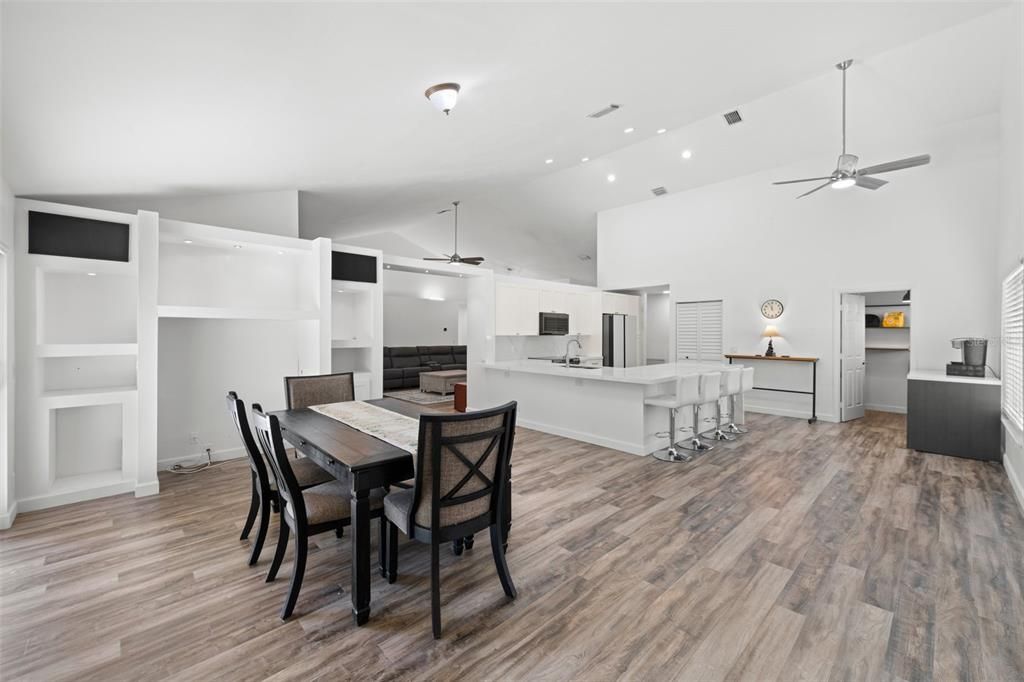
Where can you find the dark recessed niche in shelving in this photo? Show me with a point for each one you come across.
(52, 234)
(353, 267)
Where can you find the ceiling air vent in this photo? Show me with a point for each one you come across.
(604, 112)
(733, 117)
(659, 191)
(584, 257)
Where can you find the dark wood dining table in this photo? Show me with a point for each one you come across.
(369, 463)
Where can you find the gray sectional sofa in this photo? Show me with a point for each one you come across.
(404, 364)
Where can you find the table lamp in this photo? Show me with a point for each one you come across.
(770, 332)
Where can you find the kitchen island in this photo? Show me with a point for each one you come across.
(599, 405)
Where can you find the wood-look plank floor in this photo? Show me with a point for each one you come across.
(825, 552)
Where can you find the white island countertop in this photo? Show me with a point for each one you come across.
(645, 375)
(940, 375)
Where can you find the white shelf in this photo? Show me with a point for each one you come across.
(886, 347)
(351, 343)
(84, 397)
(76, 350)
(213, 313)
(66, 485)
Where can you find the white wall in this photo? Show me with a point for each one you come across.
(1011, 220)
(8, 508)
(743, 241)
(412, 321)
(657, 326)
(271, 212)
(201, 360)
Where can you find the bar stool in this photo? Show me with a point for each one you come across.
(687, 394)
(728, 386)
(709, 391)
(746, 385)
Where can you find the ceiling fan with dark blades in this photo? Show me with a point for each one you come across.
(846, 173)
(455, 257)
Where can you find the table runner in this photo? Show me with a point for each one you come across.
(391, 427)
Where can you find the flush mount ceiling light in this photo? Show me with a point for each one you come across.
(661, 131)
(628, 130)
(549, 161)
(585, 159)
(611, 177)
(687, 153)
(443, 96)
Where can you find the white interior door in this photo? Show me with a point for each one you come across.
(851, 362)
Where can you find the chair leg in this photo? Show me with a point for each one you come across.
(254, 506)
(282, 545)
(392, 540)
(298, 571)
(339, 532)
(382, 549)
(498, 549)
(468, 541)
(457, 546)
(261, 533)
(435, 588)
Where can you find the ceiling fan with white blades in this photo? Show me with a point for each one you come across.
(846, 173)
(455, 257)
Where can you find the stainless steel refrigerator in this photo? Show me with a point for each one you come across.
(618, 340)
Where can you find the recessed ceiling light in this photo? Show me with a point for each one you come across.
(662, 131)
(238, 246)
(388, 267)
(280, 253)
(687, 153)
(340, 291)
(667, 291)
(585, 159)
(611, 177)
(433, 298)
(628, 130)
(460, 275)
(188, 241)
(427, 271)
(549, 160)
(91, 274)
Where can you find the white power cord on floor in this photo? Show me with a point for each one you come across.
(195, 468)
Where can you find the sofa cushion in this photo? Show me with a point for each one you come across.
(455, 365)
(392, 373)
(435, 355)
(414, 372)
(405, 356)
(459, 353)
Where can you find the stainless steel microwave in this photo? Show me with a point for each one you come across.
(554, 324)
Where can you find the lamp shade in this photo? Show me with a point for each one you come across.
(770, 332)
(443, 96)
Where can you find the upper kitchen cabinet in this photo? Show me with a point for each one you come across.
(584, 313)
(552, 301)
(623, 304)
(516, 310)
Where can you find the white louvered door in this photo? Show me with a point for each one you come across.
(699, 330)
(1013, 347)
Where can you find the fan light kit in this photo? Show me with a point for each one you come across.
(443, 96)
(846, 173)
(455, 257)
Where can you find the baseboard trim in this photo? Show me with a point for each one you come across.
(622, 446)
(189, 460)
(7, 517)
(784, 412)
(147, 489)
(894, 409)
(38, 502)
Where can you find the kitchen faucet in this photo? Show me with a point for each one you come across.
(579, 346)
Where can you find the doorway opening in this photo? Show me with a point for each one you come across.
(874, 352)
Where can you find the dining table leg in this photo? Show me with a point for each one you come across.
(360, 555)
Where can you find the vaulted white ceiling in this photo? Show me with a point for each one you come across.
(180, 98)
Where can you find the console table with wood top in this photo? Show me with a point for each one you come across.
(788, 358)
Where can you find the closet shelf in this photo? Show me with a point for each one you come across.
(886, 347)
(214, 313)
(888, 328)
(889, 305)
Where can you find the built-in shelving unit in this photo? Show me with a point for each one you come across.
(238, 310)
(357, 323)
(83, 352)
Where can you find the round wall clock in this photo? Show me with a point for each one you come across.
(772, 308)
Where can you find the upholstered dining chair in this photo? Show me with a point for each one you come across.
(264, 484)
(305, 512)
(462, 470)
(319, 389)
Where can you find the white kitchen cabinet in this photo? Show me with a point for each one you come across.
(623, 304)
(552, 301)
(584, 313)
(516, 310)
